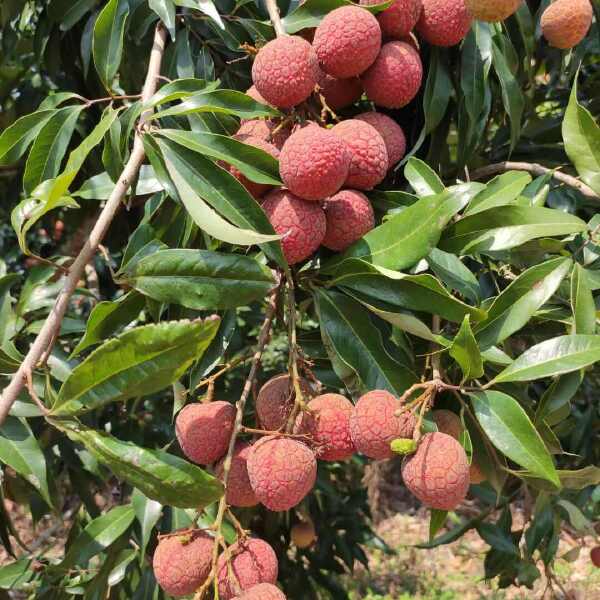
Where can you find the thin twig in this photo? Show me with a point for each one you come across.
(275, 17)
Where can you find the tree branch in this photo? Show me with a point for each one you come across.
(536, 170)
(275, 17)
(45, 339)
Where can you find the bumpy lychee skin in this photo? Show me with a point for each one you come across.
(339, 93)
(256, 189)
(182, 563)
(395, 77)
(285, 71)
(275, 401)
(595, 556)
(239, 491)
(448, 422)
(347, 41)
(314, 163)
(566, 22)
(349, 216)
(303, 534)
(373, 424)
(265, 129)
(204, 430)
(390, 131)
(493, 11)
(438, 472)
(327, 422)
(255, 95)
(262, 591)
(399, 19)
(248, 563)
(300, 223)
(444, 22)
(282, 472)
(369, 162)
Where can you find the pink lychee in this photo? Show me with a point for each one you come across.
(262, 591)
(268, 130)
(390, 131)
(339, 93)
(397, 20)
(275, 401)
(256, 190)
(444, 22)
(239, 491)
(349, 216)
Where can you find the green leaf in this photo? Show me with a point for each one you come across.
(506, 227)
(511, 431)
(581, 134)
(101, 186)
(199, 279)
(500, 191)
(108, 39)
(160, 476)
(15, 139)
(422, 178)
(139, 362)
(579, 479)
(438, 90)
(514, 307)
(16, 575)
(205, 6)
(497, 538)
(148, 512)
(582, 302)
(437, 519)
(165, 9)
(553, 357)
(554, 404)
(466, 353)
(310, 14)
(455, 275)
(19, 449)
(180, 88)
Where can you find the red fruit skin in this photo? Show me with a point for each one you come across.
(390, 131)
(181, 568)
(300, 223)
(239, 491)
(255, 95)
(395, 77)
(265, 130)
(314, 163)
(275, 401)
(595, 556)
(349, 216)
(251, 561)
(282, 472)
(399, 19)
(438, 472)
(262, 591)
(347, 41)
(566, 22)
(327, 421)
(204, 430)
(444, 22)
(256, 190)
(369, 162)
(339, 93)
(285, 71)
(373, 424)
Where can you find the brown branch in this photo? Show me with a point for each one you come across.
(47, 335)
(275, 17)
(537, 170)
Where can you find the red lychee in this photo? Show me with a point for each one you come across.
(444, 22)
(390, 131)
(448, 422)
(285, 71)
(262, 591)
(566, 22)
(369, 162)
(255, 95)
(182, 563)
(339, 93)
(303, 534)
(373, 424)
(275, 401)
(327, 421)
(265, 129)
(282, 472)
(246, 564)
(347, 41)
(204, 430)
(239, 490)
(595, 556)
(397, 20)
(395, 77)
(438, 472)
(256, 190)
(300, 223)
(314, 163)
(349, 216)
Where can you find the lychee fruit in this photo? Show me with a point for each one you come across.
(285, 71)
(266, 129)
(182, 563)
(595, 556)
(399, 19)
(339, 93)
(347, 41)
(275, 401)
(255, 95)
(493, 11)
(444, 22)
(349, 216)
(204, 430)
(448, 422)
(282, 471)
(256, 190)
(246, 564)
(438, 472)
(262, 591)
(374, 424)
(566, 22)
(369, 162)
(390, 131)
(395, 77)
(239, 491)
(314, 163)
(327, 422)
(475, 473)
(303, 534)
(300, 223)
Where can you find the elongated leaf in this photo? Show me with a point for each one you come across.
(553, 357)
(582, 302)
(422, 178)
(500, 191)
(466, 353)
(509, 428)
(310, 13)
(454, 274)
(205, 6)
(141, 361)
(16, 138)
(181, 88)
(147, 512)
(580, 478)
(165, 9)
(160, 476)
(15, 575)
(100, 187)
(108, 39)
(438, 90)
